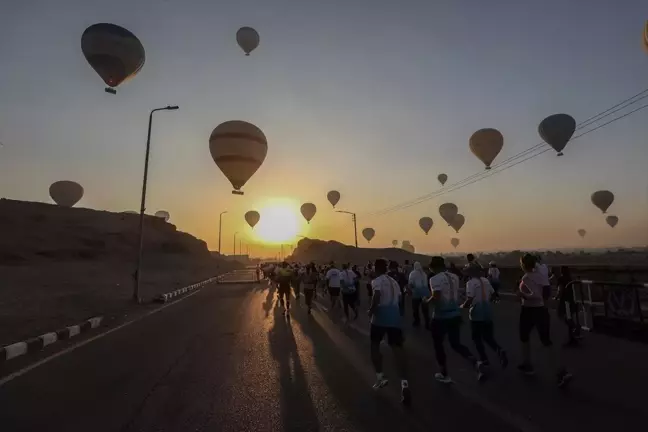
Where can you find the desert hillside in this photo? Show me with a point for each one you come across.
(58, 265)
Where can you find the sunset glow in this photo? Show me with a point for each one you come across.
(280, 222)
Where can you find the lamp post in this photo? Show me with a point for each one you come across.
(138, 269)
(235, 242)
(220, 229)
(355, 226)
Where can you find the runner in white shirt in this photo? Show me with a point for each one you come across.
(494, 279)
(349, 293)
(333, 283)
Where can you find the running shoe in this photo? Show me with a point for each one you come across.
(380, 383)
(481, 371)
(564, 378)
(406, 395)
(526, 369)
(503, 358)
(442, 378)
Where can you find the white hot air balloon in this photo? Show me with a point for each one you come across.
(602, 199)
(394, 243)
(486, 145)
(458, 221)
(443, 178)
(368, 234)
(448, 211)
(308, 210)
(252, 218)
(582, 232)
(426, 224)
(612, 221)
(333, 197)
(66, 193)
(163, 214)
(238, 148)
(557, 130)
(454, 242)
(248, 39)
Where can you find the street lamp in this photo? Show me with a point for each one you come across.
(138, 271)
(355, 226)
(220, 228)
(235, 242)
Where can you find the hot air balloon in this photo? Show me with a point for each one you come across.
(443, 178)
(582, 232)
(486, 145)
(333, 197)
(368, 234)
(162, 214)
(238, 148)
(426, 224)
(448, 211)
(394, 243)
(248, 39)
(252, 218)
(113, 52)
(308, 210)
(66, 193)
(603, 199)
(130, 212)
(557, 130)
(458, 222)
(409, 247)
(645, 37)
(454, 242)
(612, 221)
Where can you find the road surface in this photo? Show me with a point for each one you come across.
(226, 359)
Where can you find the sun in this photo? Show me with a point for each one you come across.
(279, 222)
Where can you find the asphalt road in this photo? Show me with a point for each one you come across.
(226, 359)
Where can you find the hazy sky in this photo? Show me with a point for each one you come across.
(370, 97)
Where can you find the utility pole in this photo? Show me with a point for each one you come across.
(220, 229)
(355, 225)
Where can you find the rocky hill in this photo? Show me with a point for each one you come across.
(60, 264)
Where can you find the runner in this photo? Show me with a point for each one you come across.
(386, 321)
(567, 306)
(446, 319)
(534, 313)
(402, 281)
(349, 292)
(370, 275)
(494, 279)
(420, 289)
(295, 281)
(478, 298)
(333, 283)
(358, 278)
(284, 276)
(309, 279)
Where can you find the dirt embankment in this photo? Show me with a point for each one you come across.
(62, 265)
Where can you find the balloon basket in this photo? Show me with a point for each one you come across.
(110, 90)
(560, 153)
(235, 192)
(488, 167)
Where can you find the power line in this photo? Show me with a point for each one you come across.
(527, 154)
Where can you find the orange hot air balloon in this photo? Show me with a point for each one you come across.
(308, 210)
(113, 52)
(66, 193)
(333, 197)
(162, 214)
(238, 148)
(454, 242)
(252, 218)
(486, 145)
(582, 232)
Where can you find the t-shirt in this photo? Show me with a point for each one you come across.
(309, 279)
(284, 277)
(532, 285)
(447, 306)
(543, 270)
(418, 282)
(387, 312)
(399, 277)
(494, 274)
(347, 281)
(480, 290)
(333, 278)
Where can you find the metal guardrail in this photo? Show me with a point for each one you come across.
(616, 308)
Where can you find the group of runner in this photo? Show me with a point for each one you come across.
(436, 296)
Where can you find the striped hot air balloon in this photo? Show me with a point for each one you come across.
(238, 148)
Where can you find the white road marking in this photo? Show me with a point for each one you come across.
(23, 371)
(49, 338)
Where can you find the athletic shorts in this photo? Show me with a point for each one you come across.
(394, 335)
(537, 317)
(284, 290)
(334, 292)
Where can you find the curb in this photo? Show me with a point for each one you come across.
(38, 343)
(163, 298)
